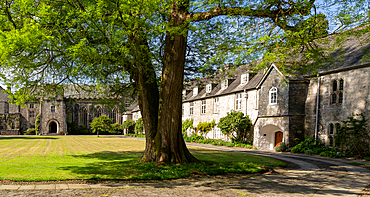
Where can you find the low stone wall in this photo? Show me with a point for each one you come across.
(10, 132)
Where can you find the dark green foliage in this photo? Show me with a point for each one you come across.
(205, 127)
(186, 125)
(139, 126)
(353, 137)
(129, 125)
(237, 126)
(312, 146)
(74, 129)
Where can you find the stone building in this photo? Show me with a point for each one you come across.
(73, 107)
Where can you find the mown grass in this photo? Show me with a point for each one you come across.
(90, 157)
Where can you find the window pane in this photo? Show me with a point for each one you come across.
(341, 83)
(335, 85)
(331, 131)
(334, 98)
(340, 99)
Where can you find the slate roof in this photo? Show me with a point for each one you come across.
(3, 96)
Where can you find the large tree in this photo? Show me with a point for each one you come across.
(145, 45)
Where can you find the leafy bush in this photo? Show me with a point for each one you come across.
(237, 127)
(129, 125)
(139, 126)
(205, 127)
(116, 129)
(186, 125)
(30, 131)
(281, 148)
(313, 146)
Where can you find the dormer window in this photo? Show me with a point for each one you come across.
(273, 96)
(209, 88)
(195, 91)
(224, 84)
(244, 78)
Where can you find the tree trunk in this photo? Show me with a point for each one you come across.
(173, 147)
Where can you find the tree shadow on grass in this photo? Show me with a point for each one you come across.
(109, 165)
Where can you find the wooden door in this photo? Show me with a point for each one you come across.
(278, 138)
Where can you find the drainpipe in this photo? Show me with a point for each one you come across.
(317, 107)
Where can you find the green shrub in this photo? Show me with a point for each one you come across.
(74, 129)
(139, 126)
(237, 127)
(37, 124)
(229, 144)
(30, 131)
(281, 148)
(186, 125)
(135, 135)
(205, 127)
(312, 146)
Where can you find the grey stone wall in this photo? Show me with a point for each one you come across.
(356, 98)
(274, 79)
(58, 116)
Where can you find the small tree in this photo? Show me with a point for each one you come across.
(205, 127)
(101, 123)
(139, 127)
(129, 125)
(237, 127)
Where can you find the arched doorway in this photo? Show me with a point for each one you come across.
(269, 136)
(278, 138)
(53, 128)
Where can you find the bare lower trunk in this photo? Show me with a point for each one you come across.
(162, 113)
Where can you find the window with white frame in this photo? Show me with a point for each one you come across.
(191, 110)
(244, 79)
(208, 88)
(238, 101)
(203, 107)
(195, 91)
(273, 96)
(216, 105)
(224, 84)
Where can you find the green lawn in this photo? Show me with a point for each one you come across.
(89, 157)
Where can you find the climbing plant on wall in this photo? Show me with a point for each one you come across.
(353, 138)
(205, 127)
(37, 124)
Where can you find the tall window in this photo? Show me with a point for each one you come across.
(273, 96)
(334, 85)
(97, 112)
(337, 94)
(224, 84)
(332, 131)
(238, 101)
(69, 113)
(216, 105)
(83, 116)
(203, 108)
(191, 110)
(52, 108)
(113, 115)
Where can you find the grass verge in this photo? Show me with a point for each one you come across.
(89, 157)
